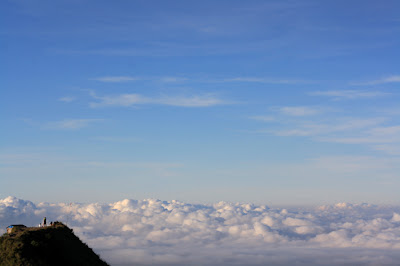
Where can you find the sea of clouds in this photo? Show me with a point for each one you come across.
(154, 232)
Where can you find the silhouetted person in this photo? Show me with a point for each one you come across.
(44, 221)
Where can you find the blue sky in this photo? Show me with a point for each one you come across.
(276, 102)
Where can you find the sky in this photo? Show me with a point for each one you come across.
(269, 102)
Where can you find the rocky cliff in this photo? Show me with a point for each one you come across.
(52, 245)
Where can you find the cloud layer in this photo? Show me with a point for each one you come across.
(150, 231)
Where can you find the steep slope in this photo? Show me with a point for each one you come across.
(53, 245)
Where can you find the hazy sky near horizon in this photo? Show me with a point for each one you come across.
(275, 102)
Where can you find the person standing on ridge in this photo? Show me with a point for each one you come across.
(44, 221)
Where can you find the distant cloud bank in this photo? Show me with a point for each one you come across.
(143, 232)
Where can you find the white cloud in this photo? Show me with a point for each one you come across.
(349, 94)
(171, 232)
(71, 124)
(388, 79)
(67, 99)
(137, 99)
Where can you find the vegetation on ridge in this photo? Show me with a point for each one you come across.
(52, 245)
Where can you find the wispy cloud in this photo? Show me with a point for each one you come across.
(386, 131)
(388, 148)
(67, 99)
(352, 164)
(116, 139)
(191, 101)
(323, 130)
(345, 130)
(349, 94)
(384, 80)
(150, 165)
(267, 80)
(117, 79)
(264, 118)
(137, 99)
(173, 79)
(299, 110)
(353, 131)
(71, 124)
(375, 135)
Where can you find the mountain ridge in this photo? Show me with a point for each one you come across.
(51, 245)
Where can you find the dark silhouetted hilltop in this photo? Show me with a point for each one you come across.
(52, 245)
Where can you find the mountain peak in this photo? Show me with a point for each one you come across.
(51, 245)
